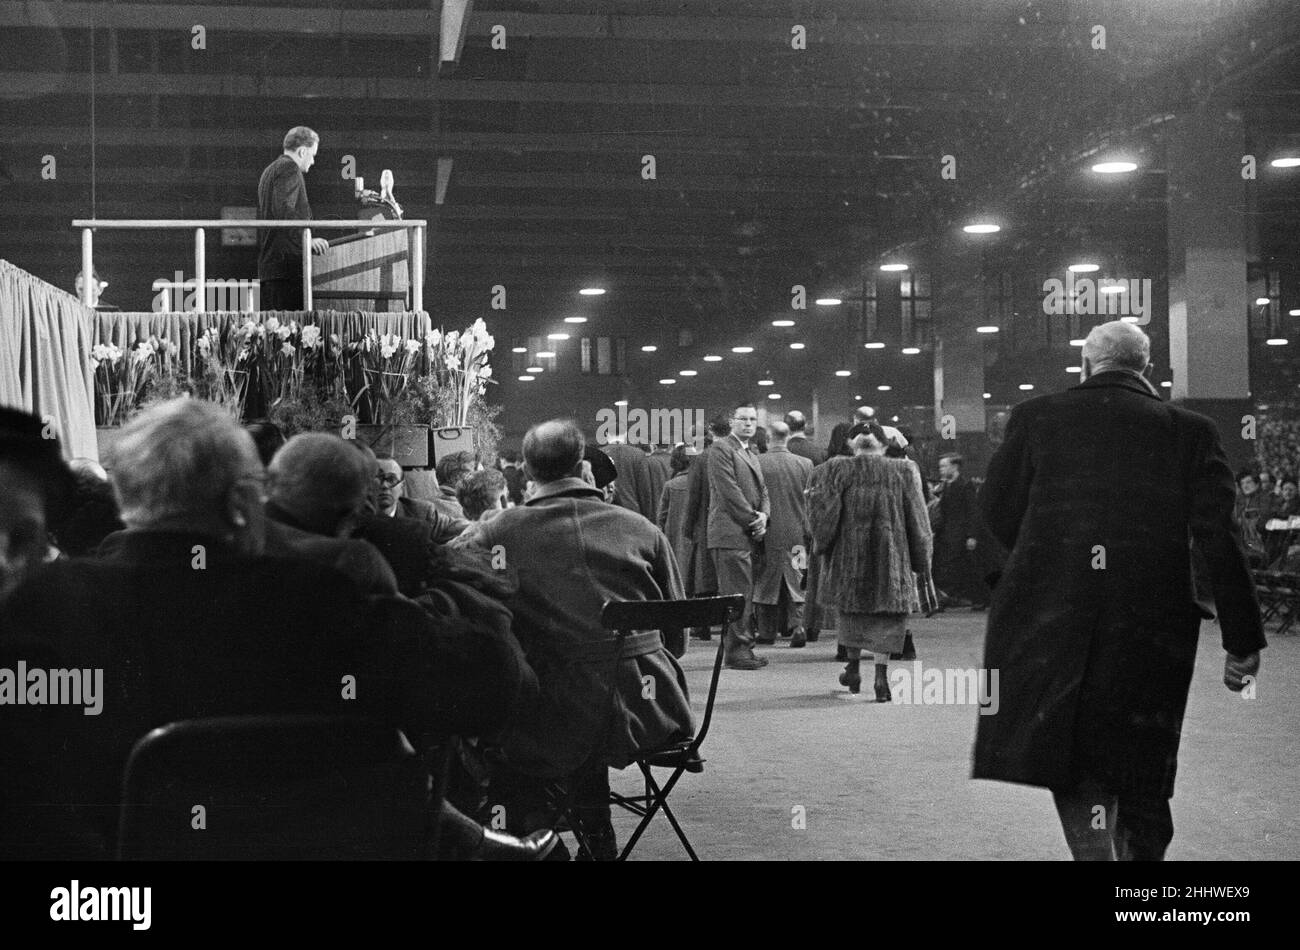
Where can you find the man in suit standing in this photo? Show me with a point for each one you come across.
(738, 517)
(799, 443)
(777, 597)
(282, 196)
(956, 536)
(632, 489)
(1094, 624)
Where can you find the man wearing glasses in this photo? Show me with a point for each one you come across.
(391, 501)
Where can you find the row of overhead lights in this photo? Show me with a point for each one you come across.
(530, 372)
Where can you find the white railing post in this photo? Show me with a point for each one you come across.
(200, 273)
(306, 269)
(417, 271)
(87, 266)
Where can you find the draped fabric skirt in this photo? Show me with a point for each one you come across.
(876, 633)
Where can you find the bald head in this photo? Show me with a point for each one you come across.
(553, 450)
(321, 481)
(777, 432)
(1116, 345)
(864, 414)
(795, 420)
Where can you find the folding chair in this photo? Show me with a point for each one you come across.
(626, 617)
(277, 788)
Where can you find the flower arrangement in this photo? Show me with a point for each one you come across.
(459, 363)
(124, 377)
(286, 356)
(387, 363)
(224, 362)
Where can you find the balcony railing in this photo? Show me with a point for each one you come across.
(89, 226)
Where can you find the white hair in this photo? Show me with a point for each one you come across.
(1117, 344)
(177, 460)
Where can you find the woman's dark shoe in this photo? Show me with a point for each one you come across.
(812, 633)
(798, 638)
(882, 684)
(851, 677)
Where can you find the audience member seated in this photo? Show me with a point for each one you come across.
(1250, 512)
(572, 552)
(483, 494)
(183, 617)
(38, 491)
(91, 516)
(393, 503)
(452, 471)
(513, 469)
(317, 487)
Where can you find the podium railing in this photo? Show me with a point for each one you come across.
(89, 226)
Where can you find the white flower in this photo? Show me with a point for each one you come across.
(287, 349)
(387, 351)
(467, 341)
(205, 345)
(433, 338)
(335, 339)
(284, 332)
(171, 348)
(479, 329)
(272, 325)
(310, 337)
(412, 347)
(451, 361)
(99, 352)
(451, 338)
(485, 372)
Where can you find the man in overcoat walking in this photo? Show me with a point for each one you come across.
(1098, 493)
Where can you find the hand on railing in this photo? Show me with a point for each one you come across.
(319, 245)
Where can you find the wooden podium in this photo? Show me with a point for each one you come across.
(369, 271)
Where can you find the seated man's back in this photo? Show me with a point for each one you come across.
(571, 553)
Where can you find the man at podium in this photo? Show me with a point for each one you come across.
(282, 196)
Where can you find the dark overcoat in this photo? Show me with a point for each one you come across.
(1097, 492)
(786, 476)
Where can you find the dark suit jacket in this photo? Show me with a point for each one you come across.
(786, 476)
(238, 636)
(633, 488)
(360, 562)
(281, 196)
(737, 493)
(445, 527)
(800, 444)
(1096, 656)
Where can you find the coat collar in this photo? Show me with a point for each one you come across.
(1135, 382)
(570, 487)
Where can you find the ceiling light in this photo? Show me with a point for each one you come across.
(1276, 341)
(526, 379)
(893, 267)
(713, 358)
(874, 346)
(620, 402)
(989, 329)
(982, 229)
(828, 301)
(796, 346)
(1261, 301)
(773, 395)
(545, 354)
(766, 382)
(533, 369)
(649, 349)
(1077, 342)
(911, 350)
(1293, 313)
(667, 382)
(557, 336)
(782, 323)
(1074, 369)
(1114, 168)
(742, 349)
(988, 395)
(687, 372)
(1166, 384)
(575, 319)
(884, 389)
(592, 291)
(519, 349)
(1083, 268)
(1287, 162)
(893, 419)
(1113, 288)
(1026, 386)
(843, 372)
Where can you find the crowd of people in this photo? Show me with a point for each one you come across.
(220, 570)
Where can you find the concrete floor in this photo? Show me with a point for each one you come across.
(891, 781)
